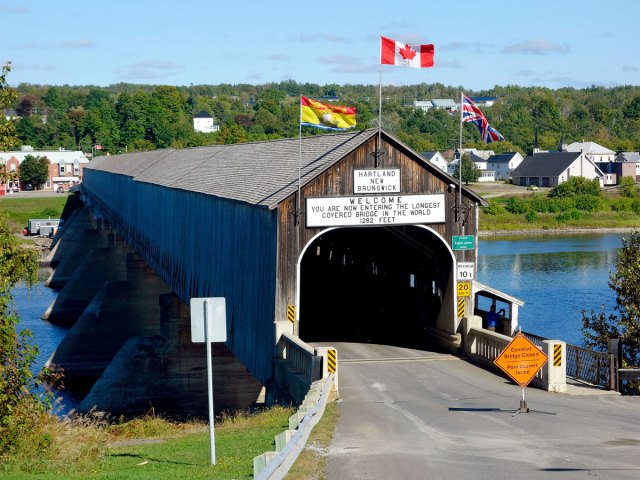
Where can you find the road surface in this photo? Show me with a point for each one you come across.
(408, 414)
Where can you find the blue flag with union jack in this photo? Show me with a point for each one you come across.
(471, 113)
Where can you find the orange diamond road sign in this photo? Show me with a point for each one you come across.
(521, 360)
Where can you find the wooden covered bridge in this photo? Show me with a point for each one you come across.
(339, 237)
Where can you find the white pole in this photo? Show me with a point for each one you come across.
(207, 339)
(460, 164)
(299, 160)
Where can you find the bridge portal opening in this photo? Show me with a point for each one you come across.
(381, 285)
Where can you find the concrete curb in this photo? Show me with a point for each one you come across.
(275, 465)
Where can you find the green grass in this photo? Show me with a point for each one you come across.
(177, 451)
(20, 210)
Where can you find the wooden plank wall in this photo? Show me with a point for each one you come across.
(202, 246)
(416, 178)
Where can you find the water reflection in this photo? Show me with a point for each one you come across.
(556, 276)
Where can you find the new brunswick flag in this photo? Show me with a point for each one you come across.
(328, 117)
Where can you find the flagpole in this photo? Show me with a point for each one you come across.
(299, 162)
(460, 159)
(379, 109)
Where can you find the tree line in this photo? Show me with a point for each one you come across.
(128, 117)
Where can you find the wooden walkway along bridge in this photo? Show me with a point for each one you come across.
(350, 237)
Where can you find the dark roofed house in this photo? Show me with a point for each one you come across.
(204, 122)
(550, 169)
(504, 163)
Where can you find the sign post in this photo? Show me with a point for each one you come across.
(521, 360)
(209, 324)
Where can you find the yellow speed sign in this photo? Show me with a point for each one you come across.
(464, 289)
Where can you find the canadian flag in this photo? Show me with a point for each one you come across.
(405, 55)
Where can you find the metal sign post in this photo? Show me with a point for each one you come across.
(209, 324)
(207, 336)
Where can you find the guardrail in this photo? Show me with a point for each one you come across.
(299, 357)
(591, 366)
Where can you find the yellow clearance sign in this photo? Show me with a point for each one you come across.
(521, 360)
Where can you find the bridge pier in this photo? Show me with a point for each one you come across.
(99, 265)
(119, 311)
(167, 372)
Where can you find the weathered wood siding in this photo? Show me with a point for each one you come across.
(202, 246)
(417, 177)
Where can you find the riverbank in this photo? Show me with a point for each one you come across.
(555, 231)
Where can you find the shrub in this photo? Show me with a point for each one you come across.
(572, 214)
(628, 187)
(587, 203)
(563, 204)
(576, 186)
(494, 209)
(532, 217)
(540, 204)
(622, 205)
(516, 205)
(635, 206)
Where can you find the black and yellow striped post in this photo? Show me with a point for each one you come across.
(461, 307)
(332, 362)
(557, 355)
(291, 313)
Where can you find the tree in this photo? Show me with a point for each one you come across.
(17, 262)
(576, 186)
(470, 173)
(34, 170)
(628, 187)
(7, 96)
(598, 328)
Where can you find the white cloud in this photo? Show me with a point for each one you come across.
(14, 9)
(149, 69)
(630, 68)
(536, 47)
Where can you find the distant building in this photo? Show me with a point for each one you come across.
(65, 166)
(437, 103)
(550, 169)
(484, 101)
(626, 164)
(504, 163)
(437, 159)
(596, 152)
(203, 122)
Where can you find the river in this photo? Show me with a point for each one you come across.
(556, 275)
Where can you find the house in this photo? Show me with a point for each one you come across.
(437, 159)
(550, 169)
(480, 163)
(203, 122)
(484, 101)
(504, 163)
(596, 152)
(438, 103)
(445, 104)
(65, 166)
(625, 164)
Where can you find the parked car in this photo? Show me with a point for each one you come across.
(532, 188)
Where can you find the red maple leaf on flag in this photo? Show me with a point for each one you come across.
(407, 53)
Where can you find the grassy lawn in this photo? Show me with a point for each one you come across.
(179, 451)
(549, 221)
(20, 210)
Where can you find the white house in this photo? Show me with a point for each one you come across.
(596, 152)
(550, 169)
(203, 122)
(437, 159)
(504, 163)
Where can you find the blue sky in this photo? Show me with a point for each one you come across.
(556, 43)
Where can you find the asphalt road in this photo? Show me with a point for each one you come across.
(407, 414)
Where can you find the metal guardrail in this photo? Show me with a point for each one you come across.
(591, 366)
(299, 357)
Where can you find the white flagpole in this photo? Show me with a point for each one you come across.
(460, 159)
(379, 108)
(299, 162)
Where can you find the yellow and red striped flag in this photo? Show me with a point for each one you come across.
(328, 117)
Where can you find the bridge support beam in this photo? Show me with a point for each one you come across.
(100, 265)
(119, 311)
(167, 372)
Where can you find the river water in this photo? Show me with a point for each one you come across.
(556, 275)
